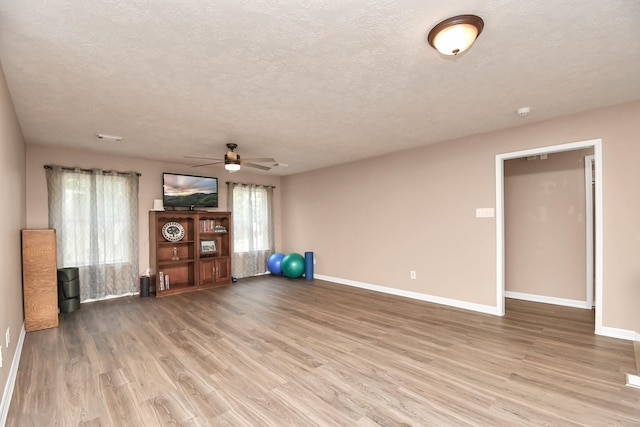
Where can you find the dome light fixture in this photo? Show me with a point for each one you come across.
(455, 35)
(232, 166)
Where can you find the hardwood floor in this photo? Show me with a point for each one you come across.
(276, 352)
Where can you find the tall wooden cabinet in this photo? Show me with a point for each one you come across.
(192, 248)
(39, 279)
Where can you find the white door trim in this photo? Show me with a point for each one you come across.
(588, 182)
(500, 268)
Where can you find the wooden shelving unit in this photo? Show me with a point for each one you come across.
(203, 254)
(215, 267)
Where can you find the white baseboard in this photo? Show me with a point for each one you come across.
(547, 300)
(11, 381)
(623, 334)
(633, 381)
(487, 309)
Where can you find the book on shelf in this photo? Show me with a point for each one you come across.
(209, 226)
(206, 225)
(166, 282)
(161, 280)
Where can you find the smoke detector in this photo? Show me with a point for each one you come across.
(523, 111)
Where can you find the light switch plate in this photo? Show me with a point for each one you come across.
(484, 213)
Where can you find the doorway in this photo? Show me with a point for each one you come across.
(500, 241)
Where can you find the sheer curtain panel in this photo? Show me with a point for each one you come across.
(252, 209)
(95, 214)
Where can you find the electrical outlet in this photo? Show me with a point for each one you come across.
(314, 260)
(413, 274)
(7, 337)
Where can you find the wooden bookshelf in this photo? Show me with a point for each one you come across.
(200, 259)
(215, 266)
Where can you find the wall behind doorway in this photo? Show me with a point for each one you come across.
(545, 230)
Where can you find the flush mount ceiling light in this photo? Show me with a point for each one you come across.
(455, 35)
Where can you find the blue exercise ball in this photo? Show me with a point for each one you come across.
(293, 265)
(274, 263)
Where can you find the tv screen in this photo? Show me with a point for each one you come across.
(189, 190)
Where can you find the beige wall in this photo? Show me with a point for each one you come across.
(545, 225)
(12, 175)
(373, 221)
(150, 185)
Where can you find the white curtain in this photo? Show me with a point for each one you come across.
(252, 214)
(95, 214)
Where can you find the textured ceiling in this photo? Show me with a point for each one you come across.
(310, 83)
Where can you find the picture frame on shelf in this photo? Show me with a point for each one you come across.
(208, 247)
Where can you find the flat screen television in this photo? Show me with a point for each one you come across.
(189, 191)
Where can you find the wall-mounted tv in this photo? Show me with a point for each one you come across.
(189, 191)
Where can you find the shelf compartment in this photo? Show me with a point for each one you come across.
(179, 275)
(165, 253)
(187, 222)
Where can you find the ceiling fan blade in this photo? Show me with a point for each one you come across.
(261, 160)
(203, 158)
(207, 164)
(253, 165)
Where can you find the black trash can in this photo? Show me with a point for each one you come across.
(144, 286)
(68, 289)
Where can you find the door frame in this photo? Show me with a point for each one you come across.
(500, 264)
(588, 188)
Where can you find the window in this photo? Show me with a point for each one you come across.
(252, 222)
(252, 210)
(95, 215)
(79, 203)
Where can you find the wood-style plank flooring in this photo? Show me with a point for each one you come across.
(271, 351)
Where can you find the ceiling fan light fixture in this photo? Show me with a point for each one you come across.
(232, 160)
(456, 34)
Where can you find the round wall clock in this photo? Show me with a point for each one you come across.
(173, 231)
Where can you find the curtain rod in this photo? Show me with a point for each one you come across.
(257, 185)
(90, 170)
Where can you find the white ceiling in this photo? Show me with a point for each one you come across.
(312, 83)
